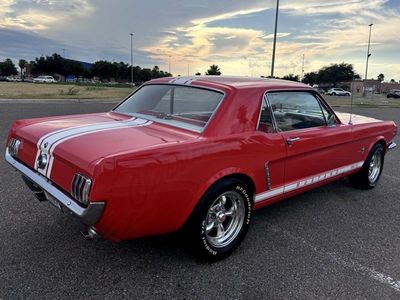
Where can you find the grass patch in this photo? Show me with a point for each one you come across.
(25, 90)
(359, 101)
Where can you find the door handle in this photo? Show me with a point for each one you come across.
(290, 141)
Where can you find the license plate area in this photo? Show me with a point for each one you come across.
(53, 201)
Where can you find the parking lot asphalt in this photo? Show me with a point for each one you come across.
(332, 242)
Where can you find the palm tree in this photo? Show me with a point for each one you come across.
(21, 64)
(213, 70)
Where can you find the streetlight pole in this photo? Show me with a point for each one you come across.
(169, 64)
(368, 53)
(131, 58)
(274, 46)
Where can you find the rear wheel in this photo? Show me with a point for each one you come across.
(222, 218)
(368, 176)
(333, 94)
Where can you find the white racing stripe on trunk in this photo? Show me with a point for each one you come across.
(60, 133)
(48, 142)
(51, 156)
(306, 181)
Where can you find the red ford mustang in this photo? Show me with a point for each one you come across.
(197, 153)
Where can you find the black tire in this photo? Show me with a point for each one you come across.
(207, 213)
(333, 94)
(348, 94)
(368, 176)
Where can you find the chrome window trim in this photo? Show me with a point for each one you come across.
(268, 104)
(187, 126)
(312, 93)
(88, 215)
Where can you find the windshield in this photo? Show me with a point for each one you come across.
(180, 106)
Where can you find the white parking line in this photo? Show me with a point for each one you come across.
(344, 261)
(391, 177)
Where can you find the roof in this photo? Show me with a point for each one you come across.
(236, 82)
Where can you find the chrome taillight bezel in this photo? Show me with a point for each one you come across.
(80, 188)
(13, 147)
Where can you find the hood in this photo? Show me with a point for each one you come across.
(74, 142)
(355, 119)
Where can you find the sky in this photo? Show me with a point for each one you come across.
(192, 35)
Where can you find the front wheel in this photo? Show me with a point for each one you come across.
(368, 176)
(222, 218)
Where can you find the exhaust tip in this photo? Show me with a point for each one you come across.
(90, 234)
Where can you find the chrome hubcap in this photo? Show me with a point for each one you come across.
(374, 167)
(225, 219)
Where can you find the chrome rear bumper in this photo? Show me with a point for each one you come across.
(391, 146)
(88, 215)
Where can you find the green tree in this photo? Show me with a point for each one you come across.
(8, 68)
(21, 64)
(381, 77)
(213, 70)
(104, 69)
(392, 81)
(310, 78)
(198, 74)
(291, 77)
(336, 73)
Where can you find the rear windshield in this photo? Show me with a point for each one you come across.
(181, 106)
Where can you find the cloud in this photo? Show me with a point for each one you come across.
(39, 14)
(236, 35)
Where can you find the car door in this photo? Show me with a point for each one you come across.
(318, 146)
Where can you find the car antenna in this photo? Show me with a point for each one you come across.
(351, 103)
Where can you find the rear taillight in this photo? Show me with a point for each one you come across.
(13, 147)
(80, 188)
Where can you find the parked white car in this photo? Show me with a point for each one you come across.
(338, 92)
(44, 79)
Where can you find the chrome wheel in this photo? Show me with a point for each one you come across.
(375, 166)
(225, 219)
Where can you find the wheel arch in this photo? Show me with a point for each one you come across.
(246, 178)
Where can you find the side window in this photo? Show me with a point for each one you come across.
(265, 124)
(329, 116)
(296, 110)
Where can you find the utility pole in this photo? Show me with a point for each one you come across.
(169, 64)
(63, 50)
(131, 34)
(274, 46)
(302, 69)
(368, 53)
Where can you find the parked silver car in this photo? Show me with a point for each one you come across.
(44, 79)
(338, 92)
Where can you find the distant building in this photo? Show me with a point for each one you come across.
(371, 86)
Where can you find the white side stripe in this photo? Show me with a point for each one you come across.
(306, 182)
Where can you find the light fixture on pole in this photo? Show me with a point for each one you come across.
(274, 46)
(368, 51)
(131, 58)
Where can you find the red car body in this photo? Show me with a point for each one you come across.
(148, 176)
